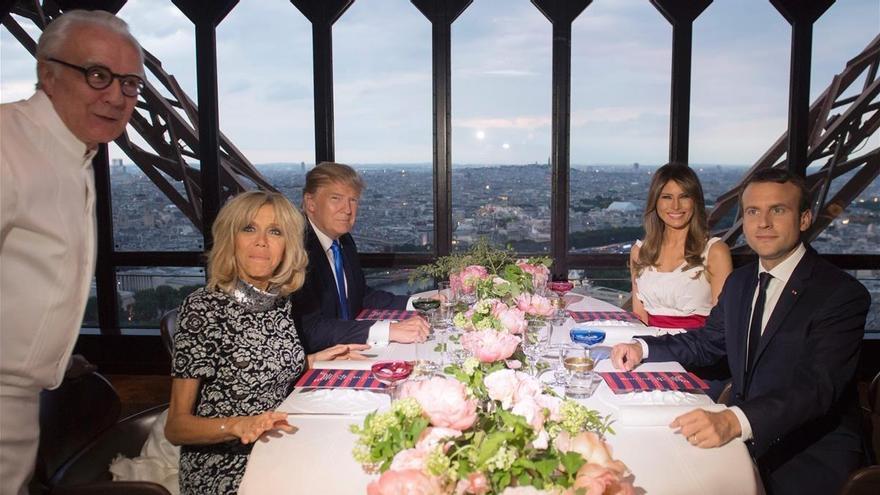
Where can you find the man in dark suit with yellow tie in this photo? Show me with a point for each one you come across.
(791, 326)
(335, 289)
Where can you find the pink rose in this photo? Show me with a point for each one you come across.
(409, 459)
(591, 447)
(602, 481)
(431, 437)
(534, 304)
(444, 401)
(513, 320)
(409, 481)
(489, 346)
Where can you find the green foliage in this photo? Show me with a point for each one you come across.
(480, 253)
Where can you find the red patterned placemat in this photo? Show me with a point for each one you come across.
(583, 316)
(321, 378)
(385, 314)
(622, 382)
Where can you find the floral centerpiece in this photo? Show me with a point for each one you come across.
(487, 429)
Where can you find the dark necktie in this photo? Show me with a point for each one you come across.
(757, 318)
(339, 266)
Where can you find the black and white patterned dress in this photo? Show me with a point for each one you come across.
(247, 357)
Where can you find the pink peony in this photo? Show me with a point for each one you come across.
(531, 411)
(431, 437)
(552, 404)
(524, 490)
(534, 304)
(591, 447)
(444, 401)
(409, 481)
(510, 387)
(475, 484)
(468, 278)
(489, 346)
(602, 481)
(409, 459)
(513, 320)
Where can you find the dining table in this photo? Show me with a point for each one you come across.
(317, 457)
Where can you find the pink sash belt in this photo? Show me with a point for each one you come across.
(687, 322)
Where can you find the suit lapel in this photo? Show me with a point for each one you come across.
(792, 291)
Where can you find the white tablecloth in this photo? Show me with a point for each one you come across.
(317, 458)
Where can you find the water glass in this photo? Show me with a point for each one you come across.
(440, 328)
(534, 342)
(581, 381)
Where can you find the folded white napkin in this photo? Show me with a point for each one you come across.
(158, 461)
(336, 401)
(657, 415)
(344, 364)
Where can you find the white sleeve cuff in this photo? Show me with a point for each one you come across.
(409, 304)
(379, 333)
(644, 347)
(744, 424)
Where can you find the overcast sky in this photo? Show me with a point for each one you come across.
(501, 78)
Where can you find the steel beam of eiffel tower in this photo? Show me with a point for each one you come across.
(839, 168)
(165, 121)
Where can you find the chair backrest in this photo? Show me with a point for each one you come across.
(874, 416)
(865, 481)
(71, 417)
(167, 325)
(126, 437)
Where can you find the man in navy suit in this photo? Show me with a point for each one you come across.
(791, 327)
(335, 290)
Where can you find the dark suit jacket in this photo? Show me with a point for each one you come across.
(316, 304)
(800, 398)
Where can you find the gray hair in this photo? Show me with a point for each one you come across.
(56, 34)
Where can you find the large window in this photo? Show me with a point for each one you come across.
(264, 76)
(501, 90)
(619, 121)
(382, 102)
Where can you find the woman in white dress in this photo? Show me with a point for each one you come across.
(678, 270)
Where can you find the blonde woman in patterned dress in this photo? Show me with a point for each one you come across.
(237, 352)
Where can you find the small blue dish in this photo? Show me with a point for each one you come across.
(587, 336)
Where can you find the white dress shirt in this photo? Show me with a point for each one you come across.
(47, 259)
(780, 273)
(379, 332)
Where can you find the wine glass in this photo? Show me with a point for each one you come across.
(426, 306)
(534, 341)
(391, 373)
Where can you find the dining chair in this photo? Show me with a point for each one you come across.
(87, 471)
(71, 416)
(865, 481)
(167, 326)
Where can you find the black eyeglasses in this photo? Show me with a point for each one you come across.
(100, 77)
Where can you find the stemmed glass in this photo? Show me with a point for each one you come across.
(426, 306)
(588, 337)
(534, 342)
(391, 373)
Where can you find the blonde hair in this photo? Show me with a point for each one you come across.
(326, 173)
(698, 227)
(223, 269)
